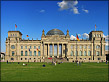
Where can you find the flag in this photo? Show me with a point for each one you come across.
(77, 37)
(15, 25)
(37, 49)
(95, 26)
(49, 58)
(27, 36)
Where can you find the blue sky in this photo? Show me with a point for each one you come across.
(32, 17)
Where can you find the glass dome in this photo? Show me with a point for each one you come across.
(55, 32)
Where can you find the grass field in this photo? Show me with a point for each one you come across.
(60, 72)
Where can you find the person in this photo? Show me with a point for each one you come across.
(23, 64)
(43, 65)
(18, 62)
(28, 61)
(7, 61)
(106, 61)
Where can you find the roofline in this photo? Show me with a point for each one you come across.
(16, 31)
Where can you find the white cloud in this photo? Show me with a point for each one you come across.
(42, 11)
(86, 11)
(79, 35)
(65, 5)
(72, 37)
(85, 35)
(106, 37)
(107, 44)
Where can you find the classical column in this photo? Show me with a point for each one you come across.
(58, 50)
(92, 52)
(82, 50)
(53, 50)
(48, 50)
(62, 50)
(86, 50)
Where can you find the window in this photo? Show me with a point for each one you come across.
(76, 53)
(71, 53)
(97, 47)
(71, 47)
(97, 35)
(11, 35)
(25, 47)
(12, 47)
(25, 53)
(38, 53)
(38, 47)
(21, 53)
(88, 47)
(84, 47)
(34, 53)
(30, 47)
(12, 58)
(15, 35)
(80, 53)
(21, 58)
(34, 58)
(89, 53)
(80, 47)
(12, 53)
(84, 53)
(99, 58)
(30, 53)
(25, 58)
(97, 53)
(34, 47)
(21, 47)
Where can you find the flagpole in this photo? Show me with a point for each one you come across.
(76, 49)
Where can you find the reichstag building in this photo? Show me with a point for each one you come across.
(55, 45)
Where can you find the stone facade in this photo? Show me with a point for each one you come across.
(56, 45)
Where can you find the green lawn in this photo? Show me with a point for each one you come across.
(60, 72)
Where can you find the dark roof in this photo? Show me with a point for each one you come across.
(55, 32)
(16, 31)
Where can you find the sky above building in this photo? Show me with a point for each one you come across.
(31, 17)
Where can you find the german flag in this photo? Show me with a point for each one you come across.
(37, 49)
(27, 36)
(15, 25)
(77, 37)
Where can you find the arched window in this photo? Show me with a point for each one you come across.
(89, 53)
(13, 35)
(80, 47)
(76, 53)
(34, 53)
(21, 53)
(71, 53)
(25, 53)
(12, 47)
(97, 47)
(12, 53)
(84, 53)
(89, 47)
(80, 53)
(97, 53)
(30, 53)
(97, 35)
